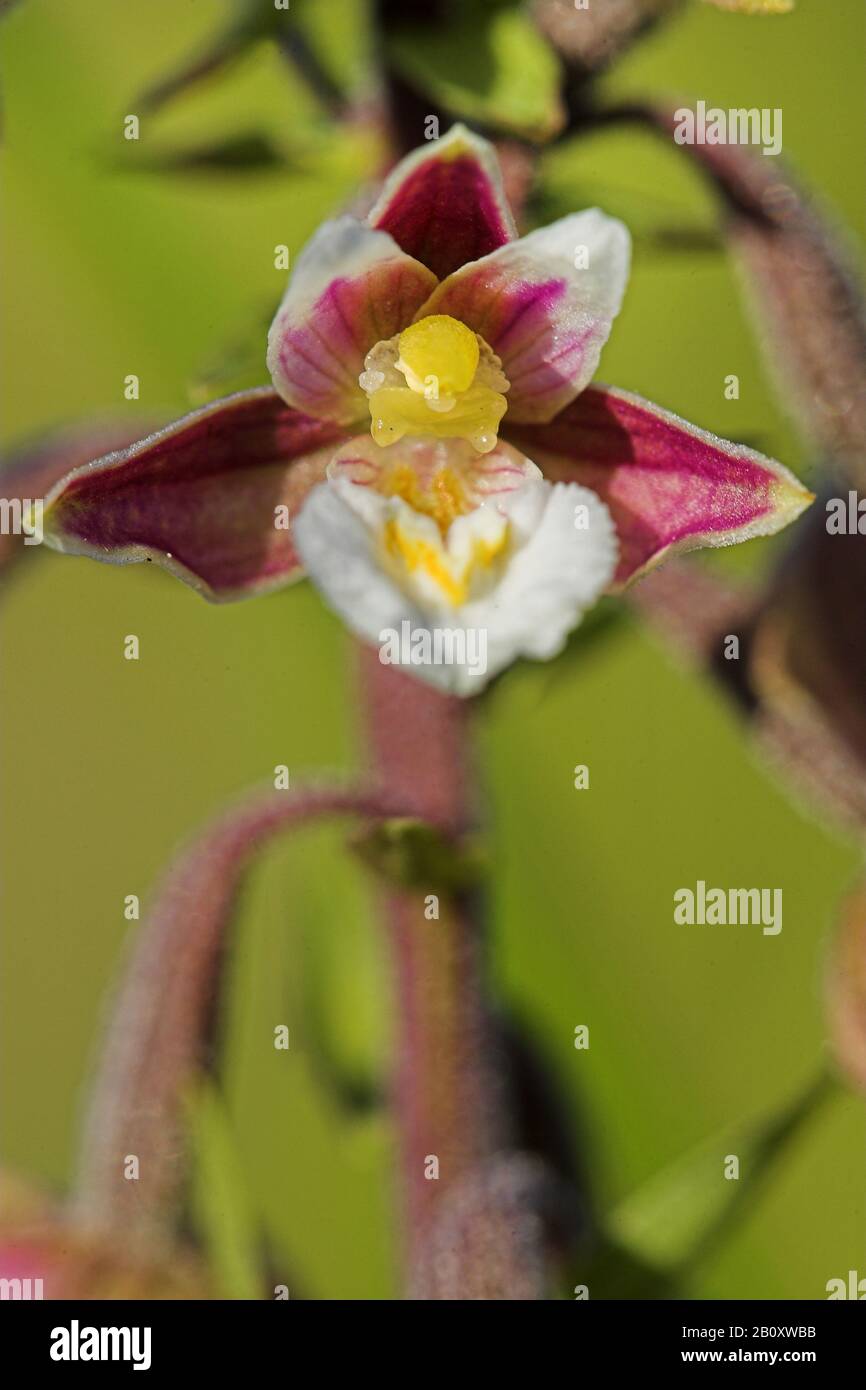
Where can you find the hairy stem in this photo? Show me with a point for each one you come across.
(161, 1026)
(449, 1095)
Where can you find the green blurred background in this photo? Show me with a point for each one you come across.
(110, 764)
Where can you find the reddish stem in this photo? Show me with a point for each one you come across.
(448, 1098)
(419, 744)
(161, 1025)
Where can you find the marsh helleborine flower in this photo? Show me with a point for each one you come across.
(431, 449)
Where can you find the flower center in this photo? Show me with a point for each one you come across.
(438, 511)
(442, 495)
(438, 357)
(436, 378)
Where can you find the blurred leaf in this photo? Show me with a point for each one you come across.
(345, 977)
(348, 1084)
(295, 31)
(252, 152)
(338, 36)
(657, 225)
(314, 152)
(220, 52)
(488, 64)
(610, 1271)
(672, 1219)
(221, 1200)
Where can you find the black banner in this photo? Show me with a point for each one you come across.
(153, 1338)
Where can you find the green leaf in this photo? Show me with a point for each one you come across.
(340, 37)
(611, 1272)
(221, 1202)
(659, 225)
(345, 976)
(487, 64)
(248, 152)
(252, 21)
(669, 1222)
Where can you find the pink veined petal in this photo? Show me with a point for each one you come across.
(545, 304)
(668, 485)
(29, 472)
(201, 497)
(444, 204)
(351, 288)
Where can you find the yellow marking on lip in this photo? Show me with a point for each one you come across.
(443, 500)
(418, 554)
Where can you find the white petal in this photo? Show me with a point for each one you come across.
(553, 579)
(338, 545)
(555, 571)
(339, 552)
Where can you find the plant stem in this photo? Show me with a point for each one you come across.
(449, 1093)
(162, 1023)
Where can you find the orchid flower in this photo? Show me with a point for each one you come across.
(432, 451)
